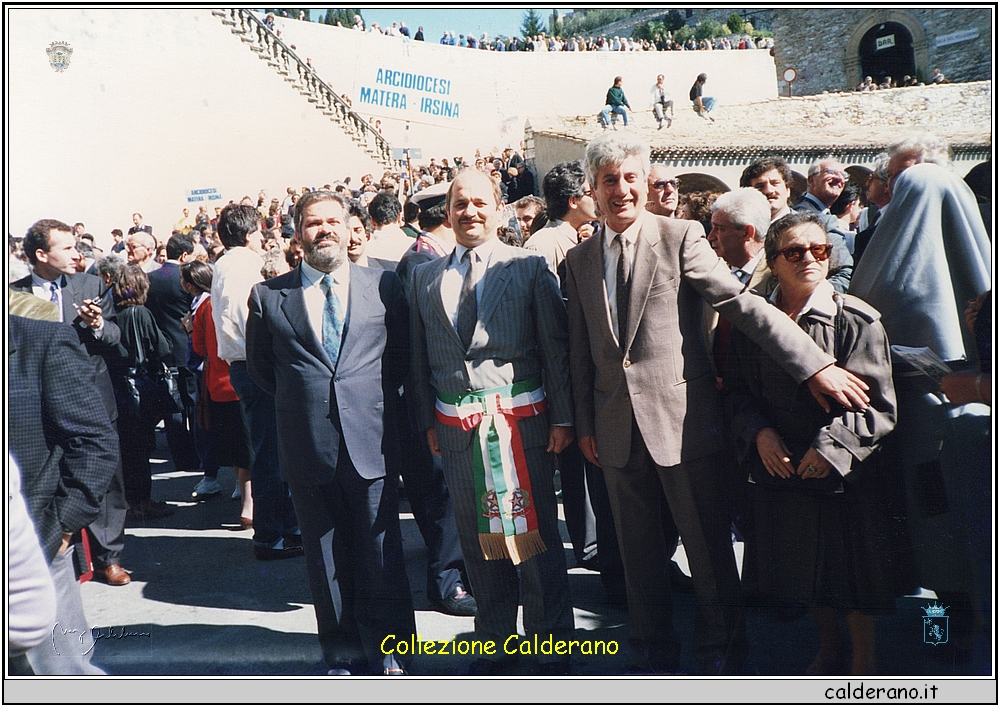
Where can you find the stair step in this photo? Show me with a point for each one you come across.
(259, 49)
(313, 99)
(230, 23)
(219, 13)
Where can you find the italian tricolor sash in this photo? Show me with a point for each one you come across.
(508, 524)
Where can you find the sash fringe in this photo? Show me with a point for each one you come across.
(516, 548)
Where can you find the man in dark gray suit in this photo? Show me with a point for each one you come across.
(62, 439)
(85, 304)
(329, 341)
(488, 323)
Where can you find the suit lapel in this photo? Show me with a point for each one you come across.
(293, 306)
(361, 298)
(68, 300)
(646, 261)
(494, 284)
(592, 292)
(433, 293)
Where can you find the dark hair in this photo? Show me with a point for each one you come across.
(851, 193)
(117, 232)
(130, 286)
(384, 208)
(85, 249)
(432, 217)
(410, 211)
(236, 222)
(179, 244)
(354, 208)
(314, 197)
(109, 264)
(763, 166)
(37, 237)
(563, 182)
(702, 78)
(198, 275)
(791, 220)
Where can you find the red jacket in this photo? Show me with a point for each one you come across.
(204, 343)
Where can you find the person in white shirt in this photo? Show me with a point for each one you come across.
(569, 205)
(276, 531)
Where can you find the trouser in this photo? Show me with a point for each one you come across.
(354, 561)
(608, 110)
(179, 426)
(659, 112)
(540, 581)
(273, 512)
(432, 509)
(71, 645)
(108, 530)
(694, 493)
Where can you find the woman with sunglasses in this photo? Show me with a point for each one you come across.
(818, 538)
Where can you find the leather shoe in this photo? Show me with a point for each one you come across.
(281, 551)
(462, 604)
(113, 575)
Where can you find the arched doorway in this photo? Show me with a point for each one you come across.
(887, 50)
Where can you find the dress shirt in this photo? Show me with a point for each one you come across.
(553, 241)
(236, 272)
(451, 280)
(42, 289)
(315, 295)
(389, 243)
(746, 272)
(611, 252)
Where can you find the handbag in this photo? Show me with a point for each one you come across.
(153, 381)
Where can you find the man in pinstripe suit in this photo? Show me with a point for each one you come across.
(487, 324)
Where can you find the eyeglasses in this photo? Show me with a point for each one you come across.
(795, 253)
(662, 184)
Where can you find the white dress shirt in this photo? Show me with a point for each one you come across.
(42, 289)
(315, 294)
(746, 272)
(454, 274)
(236, 272)
(611, 253)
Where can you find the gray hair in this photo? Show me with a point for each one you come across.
(926, 146)
(880, 167)
(109, 264)
(613, 149)
(788, 222)
(143, 238)
(746, 207)
(817, 166)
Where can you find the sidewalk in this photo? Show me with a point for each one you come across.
(207, 607)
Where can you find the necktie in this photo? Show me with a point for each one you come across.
(54, 290)
(467, 302)
(333, 320)
(623, 288)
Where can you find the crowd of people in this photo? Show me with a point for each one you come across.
(542, 43)
(869, 84)
(687, 381)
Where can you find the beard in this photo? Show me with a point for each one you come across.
(324, 259)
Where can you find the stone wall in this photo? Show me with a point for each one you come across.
(822, 45)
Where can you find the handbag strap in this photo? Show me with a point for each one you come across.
(138, 340)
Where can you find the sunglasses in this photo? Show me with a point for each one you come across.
(796, 253)
(662, 184)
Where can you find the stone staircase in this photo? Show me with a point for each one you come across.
(269, 47)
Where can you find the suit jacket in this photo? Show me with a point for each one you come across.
(169, 302)
(320, 406)
(60, 433)
(520, 335)
(77, 288)
(665, 378)
(761, 278)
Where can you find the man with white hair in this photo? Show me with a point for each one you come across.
(915, 148)
(740, 220)
(141, 248)
(661, 191)
(638, 362)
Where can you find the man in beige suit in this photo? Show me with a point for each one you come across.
(647, 408)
